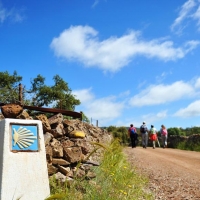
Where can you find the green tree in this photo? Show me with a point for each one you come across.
(120, 133)
(111, 128)
(85, 118)
(9, 87)
(195, 130)
(124, 134)
(176, 131)
(59, 95)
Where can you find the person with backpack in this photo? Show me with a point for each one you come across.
(153, 136)
(164, 135)
(144, 134)
(132, 132)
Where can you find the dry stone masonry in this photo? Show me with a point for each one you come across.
(68, 143)
(174, 140)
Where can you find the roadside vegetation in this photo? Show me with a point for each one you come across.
(189, 146)
(121, 134)
(115, 179)
(184, 132)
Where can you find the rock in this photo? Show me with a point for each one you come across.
(68, 143)
(45, 122)
(84, 146)
(57, 151)
(63, 152)
(77, 134)
(59, 161)
(57, 148)
(47, 138)
(73, 154)
(51, 169)
(49, 154)
(55, 142)
(11, 110)
(92, 163)
(58, 131)
(86, 167)
(65, 170)
(60, 177)
(67, 122)
(24, 115)
(78, 173)
(90, 175)
(56, 119)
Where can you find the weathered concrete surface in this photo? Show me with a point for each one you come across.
(23, 175)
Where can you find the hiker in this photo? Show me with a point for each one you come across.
(132, 132)
(144, 133)
(153, 136)
(164, 135)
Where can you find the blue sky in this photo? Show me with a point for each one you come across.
(127, 61)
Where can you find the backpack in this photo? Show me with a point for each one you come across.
(132, 131)
(164, 131)
(143, 129)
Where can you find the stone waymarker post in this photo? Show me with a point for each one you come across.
(23, 168)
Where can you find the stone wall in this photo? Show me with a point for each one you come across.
(70, 142)
(174, 140)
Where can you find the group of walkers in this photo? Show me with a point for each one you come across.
(147, 134)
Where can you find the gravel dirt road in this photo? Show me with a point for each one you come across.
(173, 174)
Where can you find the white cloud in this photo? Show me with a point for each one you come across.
(191, 110)
(196, 16)
(102, 109)
(150, 118)
(153, 117)
(160, 94)
(83, 95)
(14, 15)
(190, 45)
(95, 3)
(108, 109)
(190, 10)
(124, 94)
(2, 13)
(197, 83)
(183, 14)
(163, 76)
(80, 43)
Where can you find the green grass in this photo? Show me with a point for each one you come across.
(189, 146)
(115, 179)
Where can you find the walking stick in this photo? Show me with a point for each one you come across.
(158, 142)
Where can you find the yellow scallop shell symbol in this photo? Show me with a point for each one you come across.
(23, 137)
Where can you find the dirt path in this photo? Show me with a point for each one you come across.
(172, 173)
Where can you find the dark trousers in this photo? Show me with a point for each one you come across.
(133, 139)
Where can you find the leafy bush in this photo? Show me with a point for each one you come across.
(121, 133)
(189, 146)
(111, 128)
(176, 131)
